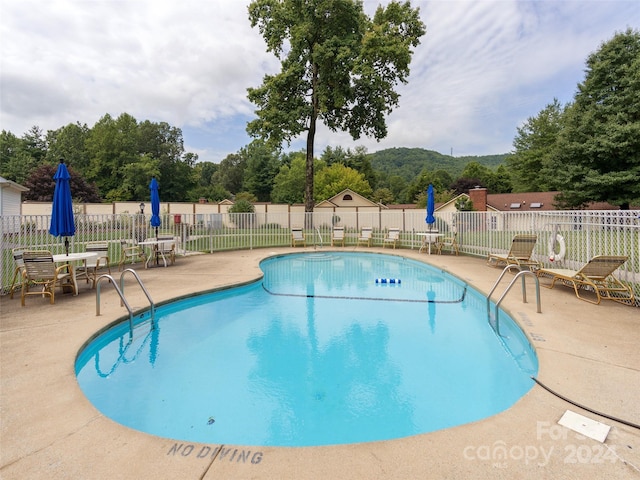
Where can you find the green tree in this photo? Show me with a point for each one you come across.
(240, 210)
(535, 145)
(416, 191)
(332, 180)
(501, 181)
(288, 184)
(111, 144)
(261, 168)
(164, 144)
(338, 66)
(598, 156)
(136, 177)
(398, 186)
(15, 162)
(332, 155)
(230, 173)
(383, 195)
(68, 142)
(34, 144)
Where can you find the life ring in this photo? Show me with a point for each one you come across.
(553, 256)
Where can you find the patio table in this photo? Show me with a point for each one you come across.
(83, 257)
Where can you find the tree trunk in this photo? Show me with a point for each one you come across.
(311, 134)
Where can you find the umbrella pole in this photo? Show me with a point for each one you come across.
(66, 245)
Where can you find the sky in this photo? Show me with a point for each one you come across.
(482, 69)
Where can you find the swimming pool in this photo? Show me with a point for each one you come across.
(316, 353)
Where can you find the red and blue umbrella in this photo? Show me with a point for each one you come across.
(156, 221)
(62, 222)
(431, 206)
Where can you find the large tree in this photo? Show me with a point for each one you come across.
(338, 66)
(262, 166)
(41, 185)
(598, 158)
(531, 163)
(332, 180)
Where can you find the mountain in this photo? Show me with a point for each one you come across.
(409, 162)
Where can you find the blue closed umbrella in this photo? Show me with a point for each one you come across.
(62, 223)
(155, 205)
(431, 206)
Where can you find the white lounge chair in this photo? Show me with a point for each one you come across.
(365, 236)
(297, 237)
(392, 238)
(338, 236)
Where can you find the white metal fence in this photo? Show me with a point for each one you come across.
(585, 233)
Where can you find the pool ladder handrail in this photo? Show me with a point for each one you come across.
(521, 273)
(123, 300)
(315, 245)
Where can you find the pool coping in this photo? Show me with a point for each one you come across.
(589, 354)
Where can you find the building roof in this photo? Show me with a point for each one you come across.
(345, 198)
(4, 183)
(522, 202)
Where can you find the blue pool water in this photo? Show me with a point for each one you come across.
(316, 353)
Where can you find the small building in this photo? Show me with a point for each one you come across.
(10, 197)
(10, 205)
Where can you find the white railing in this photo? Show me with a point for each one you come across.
(585, 233)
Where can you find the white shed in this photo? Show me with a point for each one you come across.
(10, 203)
(10, 197)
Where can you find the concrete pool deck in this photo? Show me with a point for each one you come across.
(589, 354)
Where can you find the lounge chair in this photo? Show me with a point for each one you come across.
(18, 273)
(519, 254)
(297, 237)
(450, 242)
(130, 253)
(338, 236)
(365, 236)
(393, 235)
(41, 271)
(595, 275)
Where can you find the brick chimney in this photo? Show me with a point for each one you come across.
(478, 196)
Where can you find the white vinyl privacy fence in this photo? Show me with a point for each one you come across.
(583, 234)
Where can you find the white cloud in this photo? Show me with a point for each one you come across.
(482, 68)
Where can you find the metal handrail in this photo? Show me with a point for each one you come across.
(319, 236)
(153, 306)
(495, 285)
(123, 300)
(521, 273)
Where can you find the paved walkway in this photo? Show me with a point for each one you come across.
(589, 354)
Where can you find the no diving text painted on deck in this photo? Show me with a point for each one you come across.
(220, 453)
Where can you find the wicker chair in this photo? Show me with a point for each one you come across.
(130, 253)
(41, 271)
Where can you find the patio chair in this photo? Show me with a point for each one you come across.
(167, 249)
(519, 254)
(597, 276)
(130, 253)
(365, 236)
(92, 272)
(450, 242)
(338, 236)
(297, 237)
(41, 271)
(18, 273)
(393, 235)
